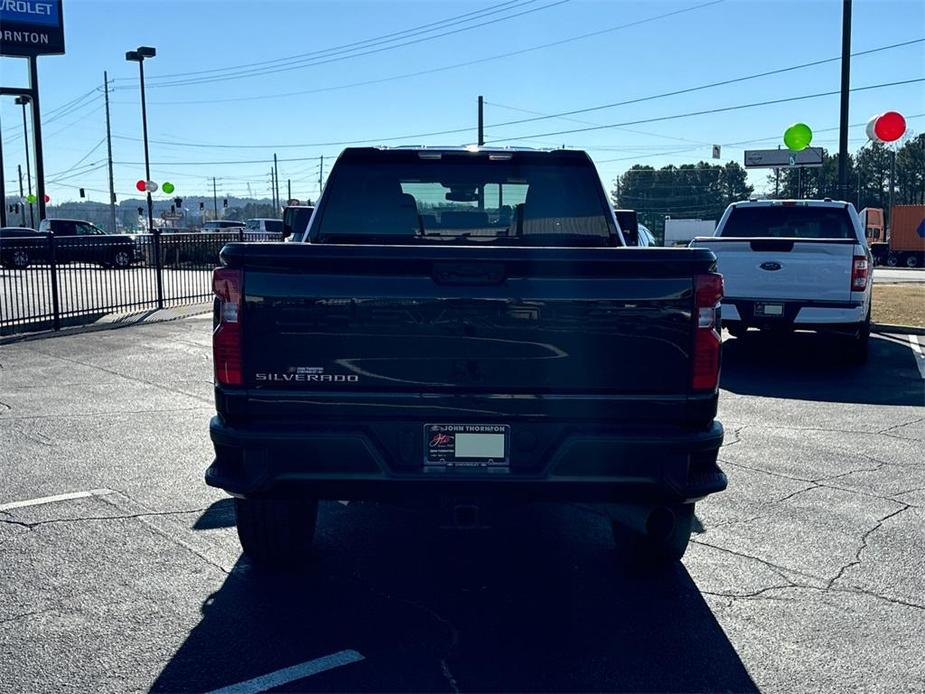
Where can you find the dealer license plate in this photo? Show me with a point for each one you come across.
(467, 445)
(769, 310)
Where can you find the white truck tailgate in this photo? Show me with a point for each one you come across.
(784, 268)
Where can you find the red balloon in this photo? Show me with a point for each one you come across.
(47, 197)
(141, 186)
(890, 126)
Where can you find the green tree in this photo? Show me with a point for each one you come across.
(701, 190)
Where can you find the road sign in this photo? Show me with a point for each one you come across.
(782, 158)
(171, 216)
(31, 27)
(716, 152)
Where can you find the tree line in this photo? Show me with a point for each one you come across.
(703, 190)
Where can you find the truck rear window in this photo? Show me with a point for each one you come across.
(796, 222)
(463, 199)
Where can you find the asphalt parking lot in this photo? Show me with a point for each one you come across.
(807, 574)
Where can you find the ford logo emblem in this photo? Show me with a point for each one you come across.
(770, 267)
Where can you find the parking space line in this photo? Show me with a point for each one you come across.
(291, 674)
(53, 499)
(917, 352)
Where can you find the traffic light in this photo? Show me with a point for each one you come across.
(178, 202)
(141, 211)
(225, 202)
(82, 193)
(202, 205)
(173, 208)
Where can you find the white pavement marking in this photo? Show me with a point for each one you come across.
(917, 352)
(291, 674)
(53, 499)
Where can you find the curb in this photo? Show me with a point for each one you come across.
(897, 329)
(113, 321)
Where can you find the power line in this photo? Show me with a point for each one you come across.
(721, 83)
(454, 66)
(449, 21)
(705, 112)
(314, 63)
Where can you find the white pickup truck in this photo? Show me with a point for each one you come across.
(794, 265)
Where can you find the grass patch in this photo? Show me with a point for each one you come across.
(899, 304)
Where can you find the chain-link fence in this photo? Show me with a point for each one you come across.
(47, 282)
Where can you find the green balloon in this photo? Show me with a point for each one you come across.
(167, 187)
(798, 136)
(31, 199)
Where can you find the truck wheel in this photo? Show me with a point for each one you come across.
(912, 260)
(276, 532)
(663, 545)
(859, 345)
(892, 260)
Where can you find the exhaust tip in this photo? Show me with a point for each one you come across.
(660, 523)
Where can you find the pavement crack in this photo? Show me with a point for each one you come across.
(900, 426)
(863, 546)
(24, 615)
(81, 519)
(5, 405)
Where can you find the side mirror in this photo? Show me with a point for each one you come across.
(629, 225)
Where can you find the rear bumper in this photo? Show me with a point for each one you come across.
(798, 315)
(349, 463)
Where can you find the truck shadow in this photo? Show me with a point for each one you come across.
(807, 366)
(538, 603)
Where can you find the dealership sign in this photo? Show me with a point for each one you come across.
(31, 27)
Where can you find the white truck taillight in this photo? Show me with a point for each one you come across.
(860, 270)
(228, 285)
(708, 292)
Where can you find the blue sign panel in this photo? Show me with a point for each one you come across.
(42, 12)
(31, 27)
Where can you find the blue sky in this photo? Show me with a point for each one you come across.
(251, 117)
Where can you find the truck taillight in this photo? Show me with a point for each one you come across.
(708, 292)
(859, 273)
(228, 285)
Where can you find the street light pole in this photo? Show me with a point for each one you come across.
(138, 56)
(23, 101)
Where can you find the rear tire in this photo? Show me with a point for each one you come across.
(121, 259)
(912, 260)
(892, 260)
(276, 532)
(859, 346)
(19, 260)
(648, 552)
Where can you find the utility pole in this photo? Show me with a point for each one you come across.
(112, 185)
(288, 190)
(481, 122)
(275, 183)
(37, 135)
(22, 205)
(845, 86)
(320, 175)
(892, 180)
(23, 101)
(214, 198)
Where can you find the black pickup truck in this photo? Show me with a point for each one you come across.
(465, 328)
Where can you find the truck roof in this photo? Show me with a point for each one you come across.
(409, 152)
(826, 202)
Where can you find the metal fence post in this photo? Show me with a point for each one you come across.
(53, 264)
(158, 268)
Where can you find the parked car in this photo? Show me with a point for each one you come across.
(264, 225)
(82, 242)
(430, 344)
(221, 225)
(21, 247)
(794, 265)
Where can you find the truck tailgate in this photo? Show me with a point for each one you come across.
(461, 319)
(780, 268)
